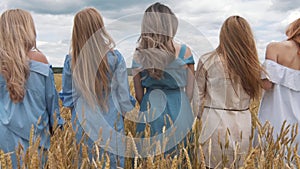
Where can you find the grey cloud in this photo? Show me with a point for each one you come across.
(47, 6)
(285, 5)
(72, 6)
(54, 20)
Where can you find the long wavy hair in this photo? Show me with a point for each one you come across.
(89, 47)
(293, 32)
(155, 45)
(17, 38)
(237, 47)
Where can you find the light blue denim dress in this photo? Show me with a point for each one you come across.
(38, 107)
(169, 107)
(119, 100)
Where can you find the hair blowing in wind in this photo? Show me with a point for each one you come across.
(237, 46)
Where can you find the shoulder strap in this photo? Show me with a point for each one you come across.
(182, 51)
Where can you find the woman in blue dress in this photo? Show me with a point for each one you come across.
(27, 89)
(163, 73)
(95, 85)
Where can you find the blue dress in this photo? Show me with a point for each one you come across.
(112, 121)
(40, 101)
(169, 106)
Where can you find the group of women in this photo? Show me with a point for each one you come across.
(95, 79)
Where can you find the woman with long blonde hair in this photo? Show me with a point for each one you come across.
(165, 69)
(28, 94)
(228, 78)
(95, 84)
(280, 100)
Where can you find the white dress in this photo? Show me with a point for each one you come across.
(282, 102)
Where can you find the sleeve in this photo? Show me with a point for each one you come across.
(121, 87)
(132, 100)
(135, 64)
(52, 100)
(263, 74)
(201, 76)
(66, 94)
(189, 60)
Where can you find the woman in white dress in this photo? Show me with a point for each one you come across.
(280, 100)
(227, 78)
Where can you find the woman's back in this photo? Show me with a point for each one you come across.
(95, 119)
(221, 90)
(37, 108)
(284, 53)
(174, 74)
(282, 92)
(227, 78)
(117, 102)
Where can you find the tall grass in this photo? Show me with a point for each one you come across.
(66, 152)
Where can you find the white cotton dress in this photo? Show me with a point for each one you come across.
(282, 102)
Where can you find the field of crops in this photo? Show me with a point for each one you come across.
(65, 152)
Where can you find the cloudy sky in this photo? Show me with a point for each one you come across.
(199, 21)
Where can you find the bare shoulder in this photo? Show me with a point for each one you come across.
(288, 55)
(178, 46)
(188, 52)
(272, 50)
(273, 45)
(279, 46)
(287, 44)
(38, 56)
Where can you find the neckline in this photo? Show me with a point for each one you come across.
(280, 65)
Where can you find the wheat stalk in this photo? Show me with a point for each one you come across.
(187, 159)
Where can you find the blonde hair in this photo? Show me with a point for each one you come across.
(156, 48)
(238, 48)
(17, 38)
(89, 46)
(293, 32)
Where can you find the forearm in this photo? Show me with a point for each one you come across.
(266, 84)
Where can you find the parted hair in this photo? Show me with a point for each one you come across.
(237, 46)
(155, 45)
(89, 46)
(17, 38)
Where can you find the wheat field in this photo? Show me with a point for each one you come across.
(65, 152)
